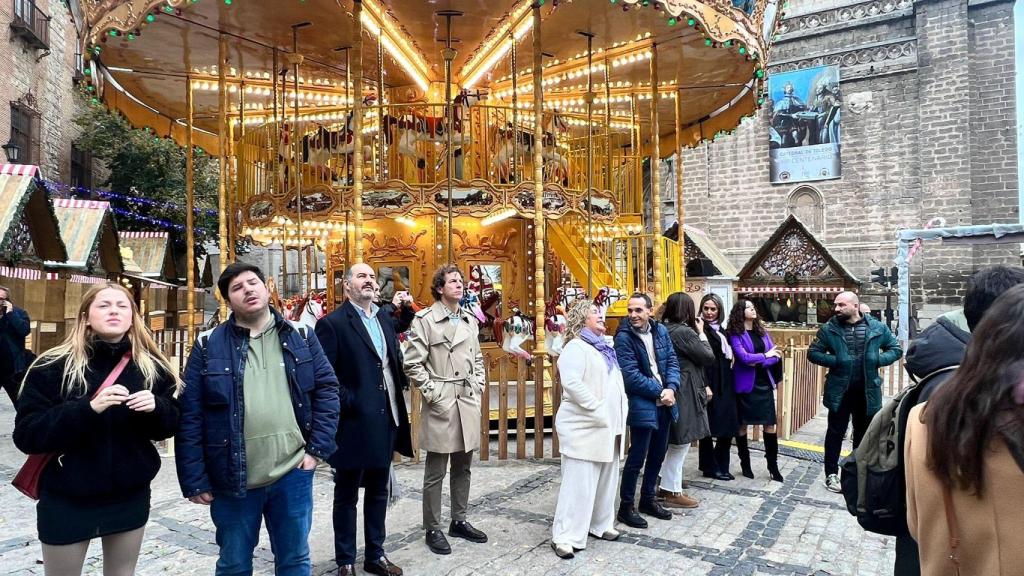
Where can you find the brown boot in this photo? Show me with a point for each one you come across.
(676, 499)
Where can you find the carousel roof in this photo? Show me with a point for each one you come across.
(710, 54)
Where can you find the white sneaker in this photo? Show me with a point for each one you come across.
(832, 483)
(611, 535)
(563, 551)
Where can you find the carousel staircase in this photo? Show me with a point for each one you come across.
(567, 237)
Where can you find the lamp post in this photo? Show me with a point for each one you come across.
(13, 151)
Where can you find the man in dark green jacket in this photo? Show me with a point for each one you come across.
(853, 347)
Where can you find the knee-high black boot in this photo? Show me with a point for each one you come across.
(744, 452)
(722, 455)
(771, 454)
(706, 457)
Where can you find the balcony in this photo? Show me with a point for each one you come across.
(31, 24)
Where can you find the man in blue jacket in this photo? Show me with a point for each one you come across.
(650, 373)
(237, 450)
(14, 328)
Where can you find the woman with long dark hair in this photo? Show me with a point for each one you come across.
(723, 415)
(965, 454)
(754, 382)
(694, 353)
(99, 484)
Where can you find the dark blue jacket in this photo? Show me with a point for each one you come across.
(14, 328)
(828, 349)
(367, 435)
(642, 389)
(209, 448)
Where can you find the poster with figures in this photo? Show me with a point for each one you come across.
(804, 130)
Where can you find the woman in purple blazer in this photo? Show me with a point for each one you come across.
(754, 354)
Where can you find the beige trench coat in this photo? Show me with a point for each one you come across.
(443, 360)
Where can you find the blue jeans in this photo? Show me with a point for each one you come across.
(650, 445)
(287, 506)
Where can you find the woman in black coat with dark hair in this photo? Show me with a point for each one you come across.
(723, 415)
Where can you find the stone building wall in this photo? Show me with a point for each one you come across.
(928, 130)
(43, 80)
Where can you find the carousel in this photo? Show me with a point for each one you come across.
(507, 137)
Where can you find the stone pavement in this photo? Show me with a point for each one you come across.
(744, 527)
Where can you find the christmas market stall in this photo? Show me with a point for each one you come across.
(155, 278)
(708, 270)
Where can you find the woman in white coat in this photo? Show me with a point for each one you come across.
(590, 423)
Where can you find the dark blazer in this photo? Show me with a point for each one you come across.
(366, 436)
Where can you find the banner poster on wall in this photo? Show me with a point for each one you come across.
(804, 132)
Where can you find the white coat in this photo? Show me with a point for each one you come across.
(594, 408)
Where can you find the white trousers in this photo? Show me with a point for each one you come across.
(672, 468)
(586, 500)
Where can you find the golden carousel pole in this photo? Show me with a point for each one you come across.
(233, 199)
(296, 59)
(357, 134)
(608, 124)
(222, 143)
(190, 202)
(449, 112)
(539, 282)
(278, 121)
(381, 148)
(590, 161)
(680, 208)
(655, 167)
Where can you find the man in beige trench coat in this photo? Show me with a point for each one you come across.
(443, 360)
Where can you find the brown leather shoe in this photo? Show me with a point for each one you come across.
(382, 566)
(347, 570)
(676, 499)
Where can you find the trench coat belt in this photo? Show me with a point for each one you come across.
(450, 380)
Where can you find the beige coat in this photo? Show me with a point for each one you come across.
(990, 527)
(443, 360)
(593, 409)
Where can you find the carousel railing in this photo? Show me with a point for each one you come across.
(489, 142)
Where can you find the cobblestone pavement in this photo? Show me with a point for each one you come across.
(744, 527)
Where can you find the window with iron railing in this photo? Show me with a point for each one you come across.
(81, 167)
(31, 24)
(23, 131)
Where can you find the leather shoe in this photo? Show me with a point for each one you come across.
(652, 508)
(346, 570)
(437, 543)
(629, 516)
(465, 530)
(382, 566)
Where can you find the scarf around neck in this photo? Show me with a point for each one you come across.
(599, 343)
(726, 349)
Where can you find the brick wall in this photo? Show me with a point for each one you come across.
(932, 134)
(48, 78)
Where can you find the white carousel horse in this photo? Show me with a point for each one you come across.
(407, 130)
(471, 302)
(605, 298)
(305, 310)
(518, 329)
(554, 326)
(522, 142)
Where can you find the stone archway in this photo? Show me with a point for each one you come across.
(808, 205)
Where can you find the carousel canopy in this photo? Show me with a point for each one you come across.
(709, 55)
(27, 222)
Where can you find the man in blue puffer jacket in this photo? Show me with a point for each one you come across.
(650, 373)
(239, 449)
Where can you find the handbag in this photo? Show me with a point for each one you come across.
(954, 528)
(27, 479)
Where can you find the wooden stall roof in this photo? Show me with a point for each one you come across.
(794, 260)
(23, 200)
(698, 245)
(151, 251)
(89, 234)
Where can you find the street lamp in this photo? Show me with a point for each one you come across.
(12, 150)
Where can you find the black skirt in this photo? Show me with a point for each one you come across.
(61, 521)
(758, 407)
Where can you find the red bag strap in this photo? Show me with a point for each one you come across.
(114, 373)
(952, 526)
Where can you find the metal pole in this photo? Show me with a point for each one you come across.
(296, 59)
(538, 192)
(381, 150)
(607, 124)
(357, 133)
(655, 167)
(513, 162)
(589, 98)
(222, 144)
(680, 207)
(449, 54)
(190, 202)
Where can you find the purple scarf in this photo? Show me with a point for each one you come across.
(726, 349)
(598, 342)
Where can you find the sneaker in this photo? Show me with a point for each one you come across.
(676, 499)
(563, 551)
(832, 483)
(610, 535)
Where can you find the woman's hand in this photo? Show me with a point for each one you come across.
(142, 401)
(109, 396)
(709, 393)
(699, 323)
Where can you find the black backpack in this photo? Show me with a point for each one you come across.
(872, 477)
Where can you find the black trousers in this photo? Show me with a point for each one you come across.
(853, 406)
(375, 507)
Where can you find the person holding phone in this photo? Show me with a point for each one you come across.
(14, 328)
(98, 485)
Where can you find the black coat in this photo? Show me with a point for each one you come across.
(367, 436)
(723, 415)
(104, 457)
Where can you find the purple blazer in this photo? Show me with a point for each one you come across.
(745, 368)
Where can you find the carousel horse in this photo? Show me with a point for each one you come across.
(605, 298)
(522, 142)
(305, 310)
(570, 294)
(323, 145)
(554, 325)
(518, 329)
(407, 130)
(471, 303)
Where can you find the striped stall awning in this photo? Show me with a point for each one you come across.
(78, 203)
(789, 290)
(145, 234)
(83, 279)
(19, 169)
(27, 273)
